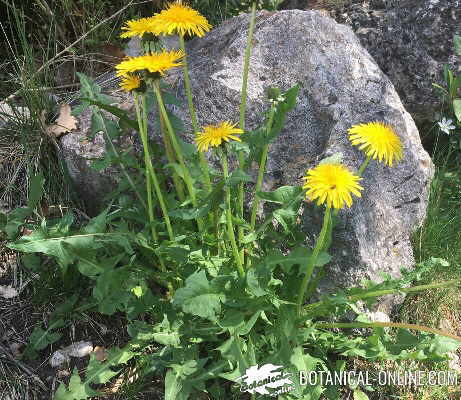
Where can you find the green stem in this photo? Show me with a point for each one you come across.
(150, 169)
(243, 104)
(385, 292)
(150, 200)
(193, 115)
(313, 258)
(230, 227)
(326, 325)
(171, 159)
(246, 66)
(262, 170)
(363, 166)
(177, 149)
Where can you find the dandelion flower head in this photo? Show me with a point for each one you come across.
(139, 27)
(180, 19)
(152, 62)
(213, 135)
(333, 184)
(378, 140)
(130, 82)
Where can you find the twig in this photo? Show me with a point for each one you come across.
(51, 60)
(7, 355)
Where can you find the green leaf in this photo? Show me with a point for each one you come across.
(35, 190)
(284, 215)
(39, 339)
(441, 345)
(90, 89)
(233, 351)
(303, 362)
(456, 84)
(282, 195)
(359, 395)
(31, 261)
(76, 391)
(97, 224)
(251, 237)
(238, 176)
(336, 158)
(58, 246)
(101, 372)
(162, 333)
(175, 388)
(169, 98)
(187, 214)
(16, 219)
(282, 109)
(122, 114)
(457, 109)
(110, 291)
(197, 297)
(298, 255)
(447, 75)
(323, 259)
(96, 373)
(257, 282)
(457, 44)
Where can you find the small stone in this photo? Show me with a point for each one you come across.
(59, 358)
(80, 349)
(378, 316)
(454, 362)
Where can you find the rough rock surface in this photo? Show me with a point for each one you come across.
(341, 86)
(411, 41)
(79, 151)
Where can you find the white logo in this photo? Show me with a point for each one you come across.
(257, 380)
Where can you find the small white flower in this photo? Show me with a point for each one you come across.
(279, 99)
(446, 125)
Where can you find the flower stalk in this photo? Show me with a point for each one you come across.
(243, 104)
(400, 325)
(151, 177)
(385, 292)
(171, 159)
(262, 170)
(363, 166)
(150, 168)
(177, 149)
(230, 227)
(313, 258)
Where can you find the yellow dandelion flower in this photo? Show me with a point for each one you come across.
(152, 62)
(332, 183)
(180, 19)
(378, 140)
(213, 135)
(139, 27)
(130, 82)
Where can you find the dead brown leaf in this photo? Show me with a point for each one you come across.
(100, 353)
(65, 123)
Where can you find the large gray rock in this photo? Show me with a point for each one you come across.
(411, 41)
(341, 86)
